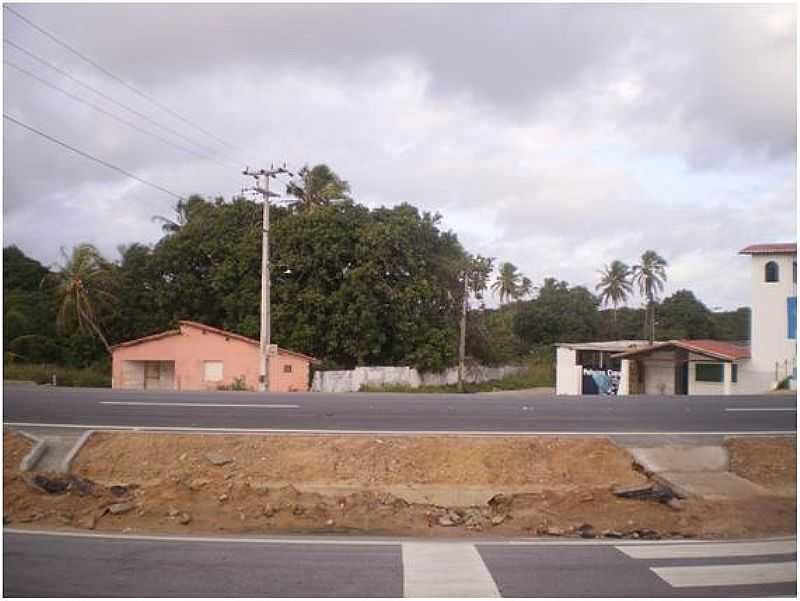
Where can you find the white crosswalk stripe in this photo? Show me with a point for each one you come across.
(687, 551)
(445, 570)
(739, 574)
(729, 575)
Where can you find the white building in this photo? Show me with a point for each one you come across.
(711, 366)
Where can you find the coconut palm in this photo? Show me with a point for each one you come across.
(170, 226)
(615, 285)
(81, 286)
(525, 288)
(316, 187)
(507, 284)
(650, 276)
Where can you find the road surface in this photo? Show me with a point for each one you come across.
(118, 565)
(399, 412)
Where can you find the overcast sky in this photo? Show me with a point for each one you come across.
(558, 137)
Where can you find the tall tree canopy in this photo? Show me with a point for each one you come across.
(560, 313)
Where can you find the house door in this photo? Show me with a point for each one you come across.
(682, 378)
(152, 375)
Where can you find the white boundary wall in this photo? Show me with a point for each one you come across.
(351, 380)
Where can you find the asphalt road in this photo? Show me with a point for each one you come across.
(399, 412)
(89, 566)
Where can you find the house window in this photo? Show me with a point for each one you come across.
(791, 317)
(212, 371)
(794, 272)
(771, 272)
(287, 369)
(709, 372)
(734, 373)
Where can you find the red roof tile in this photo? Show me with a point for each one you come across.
(202, 326)
(716, 349)
(777, 248)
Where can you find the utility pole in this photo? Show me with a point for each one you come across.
(462, 341)
(266, 324)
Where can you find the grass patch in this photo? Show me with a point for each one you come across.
(86, 377)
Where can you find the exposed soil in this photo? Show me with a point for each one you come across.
(770, 462)
(528, 486)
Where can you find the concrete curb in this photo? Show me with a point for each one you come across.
(67, 461)
(31, 459)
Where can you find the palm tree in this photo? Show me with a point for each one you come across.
(526, 288)
(507, 284)
(317, 186)
(650, 276)
(81, 286)
(170, 226)
(615, 285)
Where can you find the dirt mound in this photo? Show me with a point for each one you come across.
(365, 461)
(770, 462)
(282, 484)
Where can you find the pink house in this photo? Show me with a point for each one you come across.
(200, 357)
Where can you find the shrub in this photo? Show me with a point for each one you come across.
(87, 377)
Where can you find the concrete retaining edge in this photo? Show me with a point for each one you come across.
(31, 459)
(67, 461)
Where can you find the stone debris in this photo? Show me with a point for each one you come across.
(499, 519)
(585, 531)
(120, 508)
(217, 458)
(676, 504)
(119, 490)
(612, 534)
(184, 518)
(586, 498)
(553, 531)
(645, 492)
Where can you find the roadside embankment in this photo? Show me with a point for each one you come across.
(400, 485)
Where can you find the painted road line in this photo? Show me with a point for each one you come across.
(445, 570)
(728, 575)
(760, 408)
(154, 404)
(668, 551)
(393, 432)
(355, 540)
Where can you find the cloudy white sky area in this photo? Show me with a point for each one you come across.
(558, 137)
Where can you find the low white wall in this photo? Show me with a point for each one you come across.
(569, 375)
(351, 380)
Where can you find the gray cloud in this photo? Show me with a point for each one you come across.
(523, 124)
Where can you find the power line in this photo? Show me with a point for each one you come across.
(92, 158)
(107, 97)
(115, 77)
(112, 115)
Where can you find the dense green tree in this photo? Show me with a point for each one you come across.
(732, 325)
(560, 313)
(21, 272)
(681, 315)
(626, 324)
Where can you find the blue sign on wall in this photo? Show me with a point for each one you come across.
(791, 310)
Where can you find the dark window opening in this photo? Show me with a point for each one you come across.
(287, 369)
(771, 272)
(709, 372)
(734, 373)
